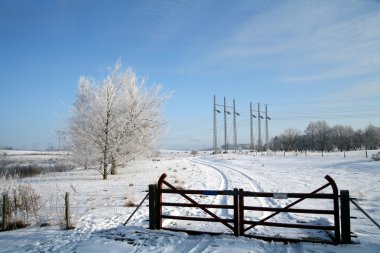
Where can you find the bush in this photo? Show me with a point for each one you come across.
(130, 203)
(376, 157)
(10, 168)
(24, 204)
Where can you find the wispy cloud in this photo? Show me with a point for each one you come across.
(363, 90)
(309, 41)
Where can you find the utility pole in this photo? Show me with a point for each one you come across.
(259, 142)
(225, 127)
(266, 127)
(251, 116)
(235, 134)
(215, 128)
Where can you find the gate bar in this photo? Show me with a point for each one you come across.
(162, 181)
(285, 208)
(336, 208)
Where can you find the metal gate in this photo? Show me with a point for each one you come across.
(238, 224)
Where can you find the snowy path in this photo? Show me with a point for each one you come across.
(241, 177)
(102, 209)
(231, 178)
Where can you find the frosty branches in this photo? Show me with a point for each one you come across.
(115, 120)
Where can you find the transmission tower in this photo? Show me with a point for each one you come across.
(266, 126)
(251, 116)
(225, 127)
(215, 128)
(235, 134)
(259, 117)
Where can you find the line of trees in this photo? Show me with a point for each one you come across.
(320, 136)
(114, 120)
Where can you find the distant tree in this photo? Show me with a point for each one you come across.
(358, 139)
(342, 137)
(310, 132)
(114, 120)
(276, 144)
(290, 138)
(372, 137)
(303, 143)
(321, 132)
(194, 152)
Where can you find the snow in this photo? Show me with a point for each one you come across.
(99, 206)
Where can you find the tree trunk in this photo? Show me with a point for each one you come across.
(105, 172)
(113, 167)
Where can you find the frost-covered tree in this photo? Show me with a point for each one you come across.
(320, 131)
(290, 138)
(115, 120)
(342, 137)
(372, 137)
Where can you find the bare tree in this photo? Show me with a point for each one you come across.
(342, 137)
(322, 130)
(290, 138)
(115, 120)
(372, 137)
(310, 132)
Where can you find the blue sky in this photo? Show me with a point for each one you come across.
(308, 60)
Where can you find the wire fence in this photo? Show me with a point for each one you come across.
(20, 209)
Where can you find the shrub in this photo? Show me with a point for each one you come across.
(24, 204)
(130, 203)
(376, 157)
(33, 169)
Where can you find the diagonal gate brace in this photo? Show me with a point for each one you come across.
(287, 207)
(161, 180)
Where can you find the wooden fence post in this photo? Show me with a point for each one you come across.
(159, 201)
(345, 216)
(67, 210)
(241, 212)
(236, 213)
(153, 206)
(5, 212)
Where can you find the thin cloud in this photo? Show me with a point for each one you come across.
(365, 90)
(309, 41)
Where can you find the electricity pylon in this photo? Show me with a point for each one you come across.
(259, 117)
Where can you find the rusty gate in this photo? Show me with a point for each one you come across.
(238, 224)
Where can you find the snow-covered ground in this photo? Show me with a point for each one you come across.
(99, 207)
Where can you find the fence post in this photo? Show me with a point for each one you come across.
(152, 206)
(5, 212)
(241, 211)
(67, 210)
(345, 216)
(236, 213)
(159, 201)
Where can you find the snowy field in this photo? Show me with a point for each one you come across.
(100, 207)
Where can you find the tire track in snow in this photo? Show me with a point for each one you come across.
(223, 200)
(251, 181)
(227, 178)
(253, 184)
(256, 187)
(223, 184)
(202, 245)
